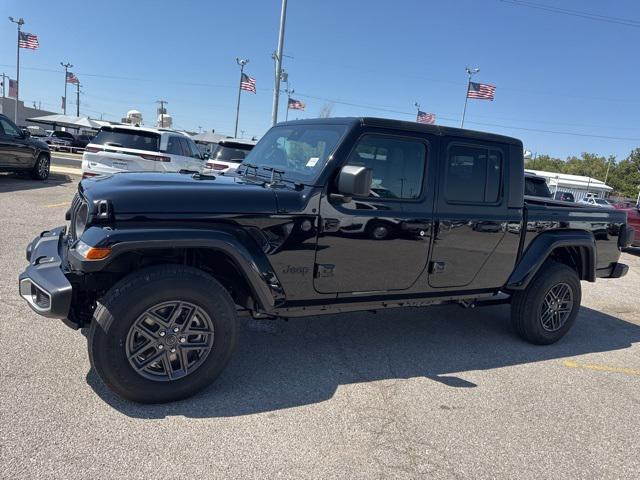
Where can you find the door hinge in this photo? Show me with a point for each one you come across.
(436, 267)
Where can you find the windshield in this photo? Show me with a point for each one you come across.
(299, 150)
(600, 201)
(230, 154)
(138, 139)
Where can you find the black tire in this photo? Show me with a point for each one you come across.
(379, 231)
(528, 306)
(128, 300)
(40, 170)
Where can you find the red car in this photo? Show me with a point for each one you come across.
(633, 217)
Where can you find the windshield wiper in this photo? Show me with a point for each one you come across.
(250, 166)
(274, 172)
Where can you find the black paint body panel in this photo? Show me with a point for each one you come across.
(303, 251)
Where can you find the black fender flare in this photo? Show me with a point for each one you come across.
(236, 244)
(541, 248)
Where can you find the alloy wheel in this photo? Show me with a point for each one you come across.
(169, 341)
(556, 307)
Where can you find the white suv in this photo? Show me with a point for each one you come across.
(228, 154)
(122, 148)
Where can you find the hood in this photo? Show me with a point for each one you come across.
(150, 193)
(40, 144)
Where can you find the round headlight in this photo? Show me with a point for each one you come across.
(82, 217)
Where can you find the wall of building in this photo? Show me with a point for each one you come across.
(7, 107)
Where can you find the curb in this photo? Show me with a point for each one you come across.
(66, 170)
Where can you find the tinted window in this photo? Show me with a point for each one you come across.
(195, 153)
(397, 165)
(139, 140)
(536, 187)
(61, 134)
(473, 174)
(184, 143)
(229, 154)
(174, 147)
(8, 128)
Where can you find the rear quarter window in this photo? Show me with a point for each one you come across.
(138, 140)
(473, 174)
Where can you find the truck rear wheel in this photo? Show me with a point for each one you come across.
(162, 334)
(545, 311)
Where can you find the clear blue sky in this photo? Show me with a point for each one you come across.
(552, 71)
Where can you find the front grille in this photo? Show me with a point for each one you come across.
(75, 206)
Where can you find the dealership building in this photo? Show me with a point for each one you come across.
(578, 185)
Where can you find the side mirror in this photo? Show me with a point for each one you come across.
(355, 180)
(26, 133)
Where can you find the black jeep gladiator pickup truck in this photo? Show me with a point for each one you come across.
(324, 216)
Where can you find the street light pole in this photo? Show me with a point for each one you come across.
(278, 59)
(66, 69)
(470, 73)
(18, 22)
(242, 63)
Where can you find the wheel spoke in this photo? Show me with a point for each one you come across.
(147, 361)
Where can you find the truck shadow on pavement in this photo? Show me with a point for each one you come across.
(282, 365)
(13, 182)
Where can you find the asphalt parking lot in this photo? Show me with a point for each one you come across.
(437, 392)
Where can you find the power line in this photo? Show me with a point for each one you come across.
(574, 13)
(452, 119)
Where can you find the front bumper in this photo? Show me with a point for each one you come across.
(43, 284)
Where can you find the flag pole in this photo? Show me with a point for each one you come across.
(19, 22)
(242, 63)
(77, 98)
(66, 67)
(470, 72)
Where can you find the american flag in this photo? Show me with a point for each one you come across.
(71, 78)
(13, 88)
(248, 83)
(424, 117)
(481, 91)
(295, 104)
(28, 40)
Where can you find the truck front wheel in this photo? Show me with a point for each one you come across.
(162, 334)
(545, 311)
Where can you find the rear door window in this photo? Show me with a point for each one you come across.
(139, 140)
(473, 174)
(184, 144)
(195, 151)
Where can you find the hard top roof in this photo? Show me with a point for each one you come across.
(388, 123)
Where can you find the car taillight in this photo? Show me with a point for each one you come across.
(92, 149)
(155, 158)
(217, 166)
(88, 174)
